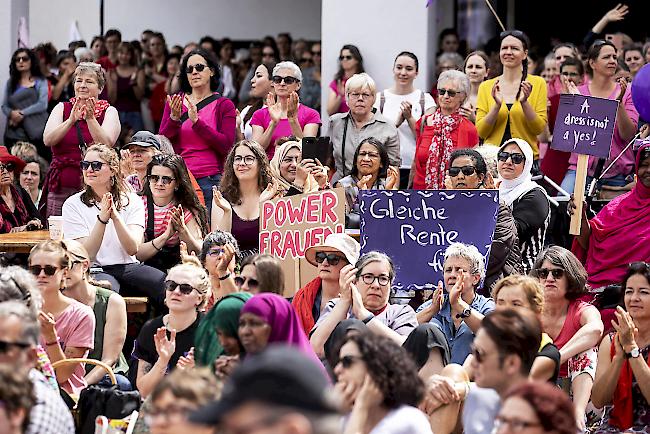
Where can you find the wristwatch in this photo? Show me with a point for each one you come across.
(633, 354)
(465, 314)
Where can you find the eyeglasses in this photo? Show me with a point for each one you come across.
(166, 180)
(516, 425)
(371, 155)
(95, 165)
(9, 167)
(363, 96)
(215, 252)
(277, 79)
(342, 58)
(467, 171)
(557, 273)
(252, 283)
(315, 53)
(451, 93)
(166, 414)
(245, 160)
(347, 361)
(49, 270)
(199, 68)
(184, 288)
(6, 346)
(516, 157)
(332, 258)
(369, 279)
(22, 59)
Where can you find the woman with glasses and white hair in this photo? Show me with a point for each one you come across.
(348, 130)
(284, 115)
(441, 133)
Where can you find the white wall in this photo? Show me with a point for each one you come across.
(180, 21)
(381, 29)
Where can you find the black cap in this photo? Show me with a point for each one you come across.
(280, 375)
(144, 139)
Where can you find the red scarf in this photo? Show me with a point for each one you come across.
(100, 106)
(622, 414)
(303, 303)
(440, 149)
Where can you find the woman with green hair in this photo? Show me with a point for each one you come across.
(216, 341)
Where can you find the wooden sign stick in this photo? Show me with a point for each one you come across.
(579, 193)
(489, 5)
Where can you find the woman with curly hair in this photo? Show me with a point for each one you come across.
(247, 182)
(109, 221)
(536, 407)
(173, 213)
(379, 383)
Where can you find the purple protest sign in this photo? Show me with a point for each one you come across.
(585, 125)
(414, 227)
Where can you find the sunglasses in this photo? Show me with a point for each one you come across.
(184, 288)
(199, 68)
(252, 283)
(467, 171)
(315, 53)
(332, 258)
(95, 165)
(6, 346)
(49, 270)
(347, 361)
(369, 279)
(451, 93)
(9, 167)
(516, 33)
(557, 273)
(345, 58)
(166, 180)
(277, 79)
(268, 54)
(22, 59)
(516, 157)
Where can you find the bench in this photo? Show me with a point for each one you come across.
(136, 304)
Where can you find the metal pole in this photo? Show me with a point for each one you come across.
(101, 17)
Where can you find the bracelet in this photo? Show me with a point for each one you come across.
(56, 342)
(224, 277)
(102, 221)
(368, 319)
(154, 246)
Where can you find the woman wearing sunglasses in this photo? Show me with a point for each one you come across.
(350, 63)
(167, 342)
(623, 374)
(247, 182)
(574, 325)
(371, 171)
(283, 115)
(173, 213)
(442, 132)
(67, 326)
(17, 212)
(514, 103)
(260, 273)
(71, 127)
(199, 122)
(527, 199)
(109, 221)
(468, 171)
(379, 386)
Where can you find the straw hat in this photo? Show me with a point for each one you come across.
(342, 243)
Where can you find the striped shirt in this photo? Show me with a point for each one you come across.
(161, 216)
(532, 214)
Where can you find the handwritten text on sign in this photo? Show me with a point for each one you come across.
(290, 225)
(415, 227)
(585, 125)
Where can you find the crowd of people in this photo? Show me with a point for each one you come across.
(158, 159)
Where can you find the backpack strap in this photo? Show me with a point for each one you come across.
(185, 116)
(422, 102)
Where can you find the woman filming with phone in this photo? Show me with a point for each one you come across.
(295, 175)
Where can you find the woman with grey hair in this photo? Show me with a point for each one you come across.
(442, 132)
(71, 127)
(283, 115)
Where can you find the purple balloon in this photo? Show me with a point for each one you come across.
(641, 92)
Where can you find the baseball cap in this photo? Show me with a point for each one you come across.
(281, 376)
(144, 139)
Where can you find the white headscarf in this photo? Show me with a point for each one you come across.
(513, 189)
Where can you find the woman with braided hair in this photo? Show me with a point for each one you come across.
(512, 105)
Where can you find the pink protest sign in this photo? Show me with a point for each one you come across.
(585, 125)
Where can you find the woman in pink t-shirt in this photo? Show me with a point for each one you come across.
(350, 63)
(283, 115)
(67, 326)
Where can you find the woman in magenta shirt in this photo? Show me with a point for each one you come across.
(283, 115)
(199, 122)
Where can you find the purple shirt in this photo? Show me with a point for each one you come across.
(205, 144)
(262, 118)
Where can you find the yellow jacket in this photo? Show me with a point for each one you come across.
(520, 127)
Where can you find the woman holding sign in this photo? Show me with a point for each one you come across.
(514, 103)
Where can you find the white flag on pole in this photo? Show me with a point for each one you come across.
(23, 33)
(74, 34)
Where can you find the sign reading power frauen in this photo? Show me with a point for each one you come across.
(414, 227)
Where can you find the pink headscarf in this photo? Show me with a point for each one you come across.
(620, 234)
